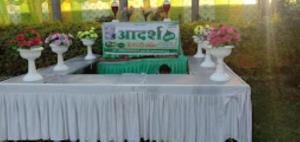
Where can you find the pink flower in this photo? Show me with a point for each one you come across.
(66, 42)
(230, 30)
(223, 30)
(53, 37)
(213, 34)
(57, 42)
(215, 42)
(223, 35)
(227, 38)
(222, 40)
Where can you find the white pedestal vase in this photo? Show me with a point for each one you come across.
(208, 63)
(220, 53)
(88, 43)
(59, 50)
(199, 53)
(31, 55)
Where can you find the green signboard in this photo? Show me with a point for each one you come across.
(140, 39)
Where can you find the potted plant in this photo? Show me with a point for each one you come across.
(59, 43)
(222, 40)
(29, 46)
(88, 39)
(201, 37)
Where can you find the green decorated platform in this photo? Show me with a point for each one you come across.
(150, 48)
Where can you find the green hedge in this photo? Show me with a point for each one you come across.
(263, 48)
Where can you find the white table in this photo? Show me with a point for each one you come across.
(177, 108)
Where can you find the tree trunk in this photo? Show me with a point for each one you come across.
(195, 10)
(56, 10)
(263, 6)
(123, 4)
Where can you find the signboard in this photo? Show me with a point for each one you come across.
(155, 38)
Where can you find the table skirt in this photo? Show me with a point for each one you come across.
(128, 115)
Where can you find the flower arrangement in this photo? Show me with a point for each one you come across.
(202, 32)
(223, 36)
(27, 40)
(89, 34)
(60, 39)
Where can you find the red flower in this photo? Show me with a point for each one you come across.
(40, 39)
(20, 43)
(36, 41)
(27, 43)
(20, 37)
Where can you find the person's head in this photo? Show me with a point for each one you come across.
(164, 69)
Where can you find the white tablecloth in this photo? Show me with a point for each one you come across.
(174, 108)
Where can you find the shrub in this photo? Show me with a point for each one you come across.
(262, 52)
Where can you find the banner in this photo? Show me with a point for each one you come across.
(154, 38)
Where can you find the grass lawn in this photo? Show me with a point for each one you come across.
(276, 111)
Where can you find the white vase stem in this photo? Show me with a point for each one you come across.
(31, 66)
(89, 50)
(208, 63)
(89, 43)
(220, 66)
(60, 59)
(199, 53)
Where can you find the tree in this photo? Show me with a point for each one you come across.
(56, 10)
(263, 6)
(123, 5)
(195, 10)
(146, 3)
(4, 19)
